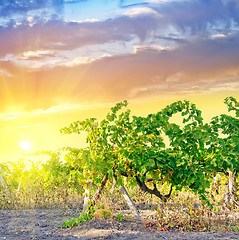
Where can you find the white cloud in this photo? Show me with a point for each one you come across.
(219, 36)
(37, 53)
(83, 60)
(79, 61)
(134, 12)
(138, 48)
(30, 21)
(37, 59)
(88, 20)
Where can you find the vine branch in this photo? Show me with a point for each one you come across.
(153, 191)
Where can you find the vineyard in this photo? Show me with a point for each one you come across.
(185, 172)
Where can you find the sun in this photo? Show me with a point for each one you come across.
(26, 145)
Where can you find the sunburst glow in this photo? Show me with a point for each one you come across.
(26, 145)
(48, 79)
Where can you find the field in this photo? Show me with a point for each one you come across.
(38, 213)
(182, 179)
(46, 224)
(119, 119)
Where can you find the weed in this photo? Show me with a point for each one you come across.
(84, 217)
(119, 217)
(106, 214)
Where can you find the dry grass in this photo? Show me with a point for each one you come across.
(184, 211)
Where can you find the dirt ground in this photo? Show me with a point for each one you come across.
(47, 224)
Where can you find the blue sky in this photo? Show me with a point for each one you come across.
(72, 10)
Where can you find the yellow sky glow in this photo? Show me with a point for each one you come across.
(41, 128)
(75, 63)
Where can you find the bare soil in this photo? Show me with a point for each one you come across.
(47, 224)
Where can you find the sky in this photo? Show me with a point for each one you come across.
(66, 60)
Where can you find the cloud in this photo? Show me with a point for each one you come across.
(146, 72)
(164, 47)
(134, 12)
(30, 12)
(169, 21)
(200, 15)
(84, 60)
(158, 48)
(58, 35)
(88, 20)
(10, 8)
(36, 54)
(49, 59)
(169, 71)
(129, 4)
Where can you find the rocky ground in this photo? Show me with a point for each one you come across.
(47, 224)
